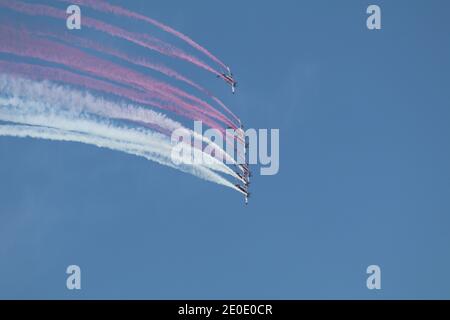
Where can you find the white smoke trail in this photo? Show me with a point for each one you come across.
(32, 113)
(44, 96)
(45, 116)
(23, 131)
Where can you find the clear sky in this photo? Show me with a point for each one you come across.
(364, 169)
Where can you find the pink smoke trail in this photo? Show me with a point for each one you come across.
(142, 40)
(36, 72)
(108, 8)
(85, 43)
(20, 43)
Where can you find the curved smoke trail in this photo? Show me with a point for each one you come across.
(48, 133)
(60, 107)
(143, 40)
(73, 113)
(45, 104)
(23, 44)
(143, 62)
(141, 115)
(108, 8)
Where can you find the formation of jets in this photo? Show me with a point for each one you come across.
(244, 174)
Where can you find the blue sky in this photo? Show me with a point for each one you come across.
(364, 176)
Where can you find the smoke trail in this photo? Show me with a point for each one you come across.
(32, 103)
(85, 43)
(49, 11)
(108, 8)
(140, 140)
(37, 72)
(21, 43)
(56, 94)
(24, 131)
(143, 40)
(46, 111)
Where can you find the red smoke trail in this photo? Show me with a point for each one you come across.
(226, 109)
(85, 43)
(20, 43)
(142, 40)
(108, 8)
(157, 67)
(36, 72)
